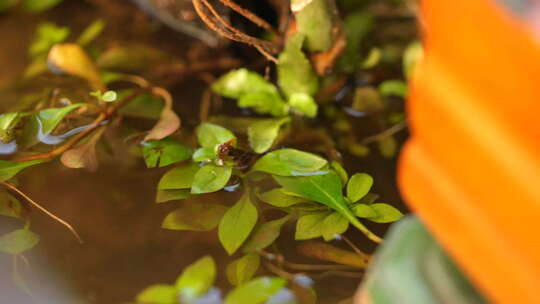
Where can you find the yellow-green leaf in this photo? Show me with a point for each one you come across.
(9, 169)
(257, 291)
(18, 241)
(158, 294)
(264, 235)
(243, 269)
(197, 278)
(237, 223)
(262, 134)
(180, 177)
(358, 186)
(289, 162)
(195, 217)
(210, 178)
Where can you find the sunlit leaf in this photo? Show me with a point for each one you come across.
(180, 177)
(9, 205)
(393, 88)
(9, 169)
(334, 225)
(163, 196)
(71, 59)
(39, 5)
(195, 217)
(264, 235)
(289, 162)
(197, 278)
(18, 241)
(278, 198)
(264, 103)
(158, 294)
(262, 134)
(243, 269)
(257, 291)
(237, 223)
(358, 186)
(385, 213)
(204, 154)
(91, 32)
(236, 83)
(310, 225)
(295, 73)
(210, 135)
(161, 153)
(303, 104)
(210, 178)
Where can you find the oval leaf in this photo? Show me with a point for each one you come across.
(210, 178)
(243, 269)
(71, 59)
(237, 223)
(262, 134)
(358, 186)
(385, 213)
(278, 198)
(197, 278)
(289, 162)
(210, 135)
(18, 241)
(264, 235)
(257, 291)
(164, 152)
(194, 217)
(179, 177)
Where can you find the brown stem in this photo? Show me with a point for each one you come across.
(327, 252)
(249, 15)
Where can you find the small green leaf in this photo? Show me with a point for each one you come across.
(204, 154)
(210, 135)
(243, 269)
(262, 134)
(303, 104)
(161, 153)
(18, 241)
(9, 169)
(47, 35)
(340, 171)
(264, 235)
(364, 211)
(257, 291)
(195, 217)
(372, 59)
(310, 226)
(179, 177)
(388, 146)
(237, 223)
(197, 278)
(289, 162)
(393, 88)
(237, 83)
(264, 103)
(8, 122)
(109, 96)
(91, 32)
(158, 294)
(295, 73)
(333, 225)
(50, 118)
(211, 178)
(413, 54)
(278, 198)
(385, 213)
(39, 5)
(367, 99)
(163, 196)
(358, 186)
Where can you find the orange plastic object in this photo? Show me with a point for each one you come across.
(471, 169)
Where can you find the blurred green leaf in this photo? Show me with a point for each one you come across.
(40, 5)
(237, 83)
(264, 103)
(6, 4)
(237, 223)
(180, 177)
(210, 178)
(393, 87)
(144, 106)
(163, 196)
(195, 217)
(91, 32)
(161, 153)
(256, 291)
(264, 235)
(304, 104)
(388, 146)
(210, 135)
(357, 25)
(278, 198)
(158, 294)
(109, 96)
(358, 186)
(18, 241)
(334, 225)
(197, 278)
(295, 73)
(367, 99)
(243, 269)
(9, 169)
(8, 122)
(289, 162)
(385, 213)
(131, 57)
(413, 53)
(9, 205)
(310, 225)
(372, 59)
(47, 35)
(262, 134)
(315, 20)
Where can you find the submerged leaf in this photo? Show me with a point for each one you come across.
(158, 294)
(195, 217)
(180, 177)
(257, 291)
(9, 169)
(71, 59)
(18, 241)
(262, 134)
(289, 162)
(83, 156)
(9, 205)
(197, 278)
(295, 73)
(163, 196)
(210, 178)
(237, 223)
(243, 269)
(161, 153)
(264, 235)
(167, 124)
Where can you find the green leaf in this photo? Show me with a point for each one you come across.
(163, 196)
(372, 59)
(393, 87)
(310, 225)
(195, 217)
(387, 146)
(39, 5)
(263, 133)
(158, 294)
(9, 205)
(7, 4)
(325, 189)
(264, 235)
(204, 154)
(109, 96)
(143, 106)
(303, 104)
(385, 213)
(278, 198)
(47, 35)
(243, 269)
(364, 211)
(334, 225)
(210, 178)
(237, 83)
(357, 25)
(413, 53)
(289, 162)
(257, 291)
(91, 32)
(161, 153)
(9, 169)
(295, 73)
(315, 19)
(179, 177)
(197, 278)
(50, 118)
(367, 99)
(264, 103)
(18, 241)
(359, 186)
(340, 171)
(211, 135)
(8, 122)
(237, 223)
